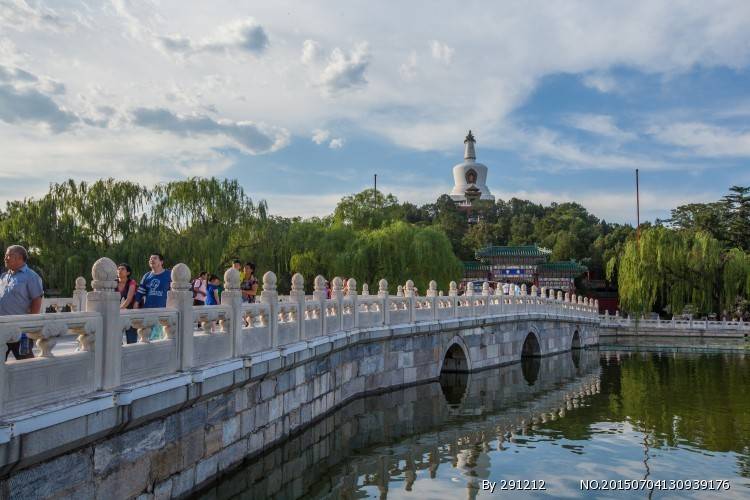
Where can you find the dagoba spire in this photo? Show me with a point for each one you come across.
(469, 153)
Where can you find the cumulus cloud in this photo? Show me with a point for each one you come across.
(336, 143)
(24, 99)
(602, 82)
(21, 16)
(244, 35)
(441, 51)
(408, 70)
(599, 124)
(320, 136)
(310, 51)
(250, 137)
(346, 71)
(704, 139)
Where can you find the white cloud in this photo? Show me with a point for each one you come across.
(320, 136)
(705, 139)
(344, 72)
(21, 16)
(244, 35)
(310, 52)
(602, 82)
(441, 51)
(408, 70)
(599, 124)
(336, 143)
(250, 137)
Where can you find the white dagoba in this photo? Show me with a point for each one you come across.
(470, 177)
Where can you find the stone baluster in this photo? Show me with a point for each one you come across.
(79, 294)
(533, 291)
(523, 289)
(365, 290)
(337, 294)
(297, 297)
(409, 294)
(105, 299)
(399, 291)
(485, 289)
(432, 289)
(352, 294)
(180, 297)
(543, 293)
(453, 294)
(320, 296)
(270, 296)
(232, 297)
(384, 297)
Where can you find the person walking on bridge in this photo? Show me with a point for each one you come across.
(21, 292)
(152, 291)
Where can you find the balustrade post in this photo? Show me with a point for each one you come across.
(271, 297)
(409, 294)
(351, 286)
(338, 295)
(453, 294)
(319, 293)
(297, 296)
(105, 299)
(232, 297)
(383, 295)
(180, 297)
(79, 293)
(432, 294)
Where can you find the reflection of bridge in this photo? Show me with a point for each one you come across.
(226, 381)
(399, 434)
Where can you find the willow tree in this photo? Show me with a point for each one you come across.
(736, 280)
(676, 270)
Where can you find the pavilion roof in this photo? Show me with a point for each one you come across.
(472, 265)
(513, 251)
(562, 266)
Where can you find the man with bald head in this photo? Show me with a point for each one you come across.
(20, 291)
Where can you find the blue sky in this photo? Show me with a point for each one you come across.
(303, 103)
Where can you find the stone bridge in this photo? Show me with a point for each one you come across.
(162, 418)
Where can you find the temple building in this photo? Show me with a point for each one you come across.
(470, 177)
(527, 264)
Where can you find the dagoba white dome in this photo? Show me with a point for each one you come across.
(470, 177)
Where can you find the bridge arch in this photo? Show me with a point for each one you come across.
(575, 340)
(455, 357)
(531, 346)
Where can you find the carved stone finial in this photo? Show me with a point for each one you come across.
(383, 287)
(365, 290)
(319, 284)
(533, 290)
(298, 283)
(338, 284)
(452, 289)
(351, 286)
(485, 288)
(400, 291)
(232, 279)
(523, 289)
(104, 274)
(180, 277)
(81, 284)
(559, 295)
(432, 289)
(269, 281)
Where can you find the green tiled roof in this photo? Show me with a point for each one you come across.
(567, 265)
(472, 265)
(517, 251)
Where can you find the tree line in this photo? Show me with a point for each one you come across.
(696, 262)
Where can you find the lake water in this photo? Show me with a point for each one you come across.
(659, 422)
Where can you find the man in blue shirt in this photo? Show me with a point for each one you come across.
(20, 293)
(152, 292)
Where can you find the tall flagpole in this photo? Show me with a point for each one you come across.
(637, 207)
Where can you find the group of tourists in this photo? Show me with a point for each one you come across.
(21, 291)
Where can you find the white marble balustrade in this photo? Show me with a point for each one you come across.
(79, 353)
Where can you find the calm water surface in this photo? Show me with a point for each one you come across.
(582, 416)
